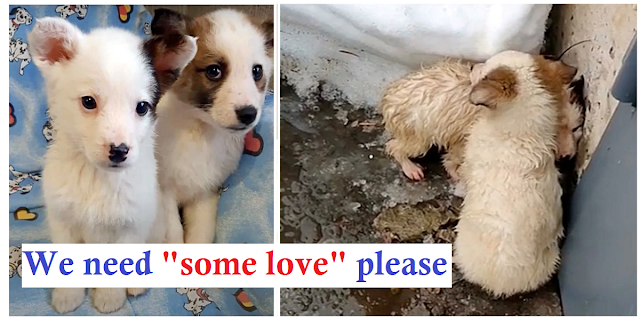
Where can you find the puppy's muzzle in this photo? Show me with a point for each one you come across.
(118, 154)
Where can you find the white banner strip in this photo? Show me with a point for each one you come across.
(236, 265)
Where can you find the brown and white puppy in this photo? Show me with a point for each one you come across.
(510, 222)
(204, 117)
(431, 107)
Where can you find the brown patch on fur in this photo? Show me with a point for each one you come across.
(200, 26)
(195, 86)
(554, 76)
(498, 86)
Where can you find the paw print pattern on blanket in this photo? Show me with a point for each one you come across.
(23, 214)
(12, 117)
(67, 10)
(18, 178)
(244, 301)
(18, 49)
(197, 298)
(124, 13)
(253, 143)
(15, 261)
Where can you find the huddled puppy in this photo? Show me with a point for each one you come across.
(511, 218)
(430, 107)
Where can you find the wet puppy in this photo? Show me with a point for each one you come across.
(99, 175)
(425, 108)
(510, 222)
(203, 119)
(431, 107)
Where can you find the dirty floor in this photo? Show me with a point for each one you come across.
(337, 186)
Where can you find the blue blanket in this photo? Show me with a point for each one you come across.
(245, 211)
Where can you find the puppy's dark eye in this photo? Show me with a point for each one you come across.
(257, 72)
(214, 72)
(142, 108)
(89, 102)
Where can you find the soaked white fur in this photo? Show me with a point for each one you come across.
(87, 200)
(426, 108)
(197, 150)
(430, 107)
(510, 223)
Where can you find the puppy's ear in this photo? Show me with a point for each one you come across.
(485, 93)
(167, 21)
(169, 55)
(497, 86)
(53, 40)
(565, 72)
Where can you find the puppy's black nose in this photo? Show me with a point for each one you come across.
(119, 153)
(247, 114)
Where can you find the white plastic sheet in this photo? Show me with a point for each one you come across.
(358, 49)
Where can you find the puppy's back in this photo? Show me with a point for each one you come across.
(430, 105)
(507, 235)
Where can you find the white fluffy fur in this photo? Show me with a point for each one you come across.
(510, 223)
(87, 200)
(196, 149)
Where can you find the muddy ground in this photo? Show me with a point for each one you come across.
(337, 186)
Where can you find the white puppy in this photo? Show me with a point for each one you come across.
(510, 223)
(203, 119)
(429, 107)
(99, 176)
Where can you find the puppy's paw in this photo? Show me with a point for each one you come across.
(64, 300)
(136, 291)
(412, 170)
(108, 300)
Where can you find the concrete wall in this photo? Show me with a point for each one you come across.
(610, 27)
